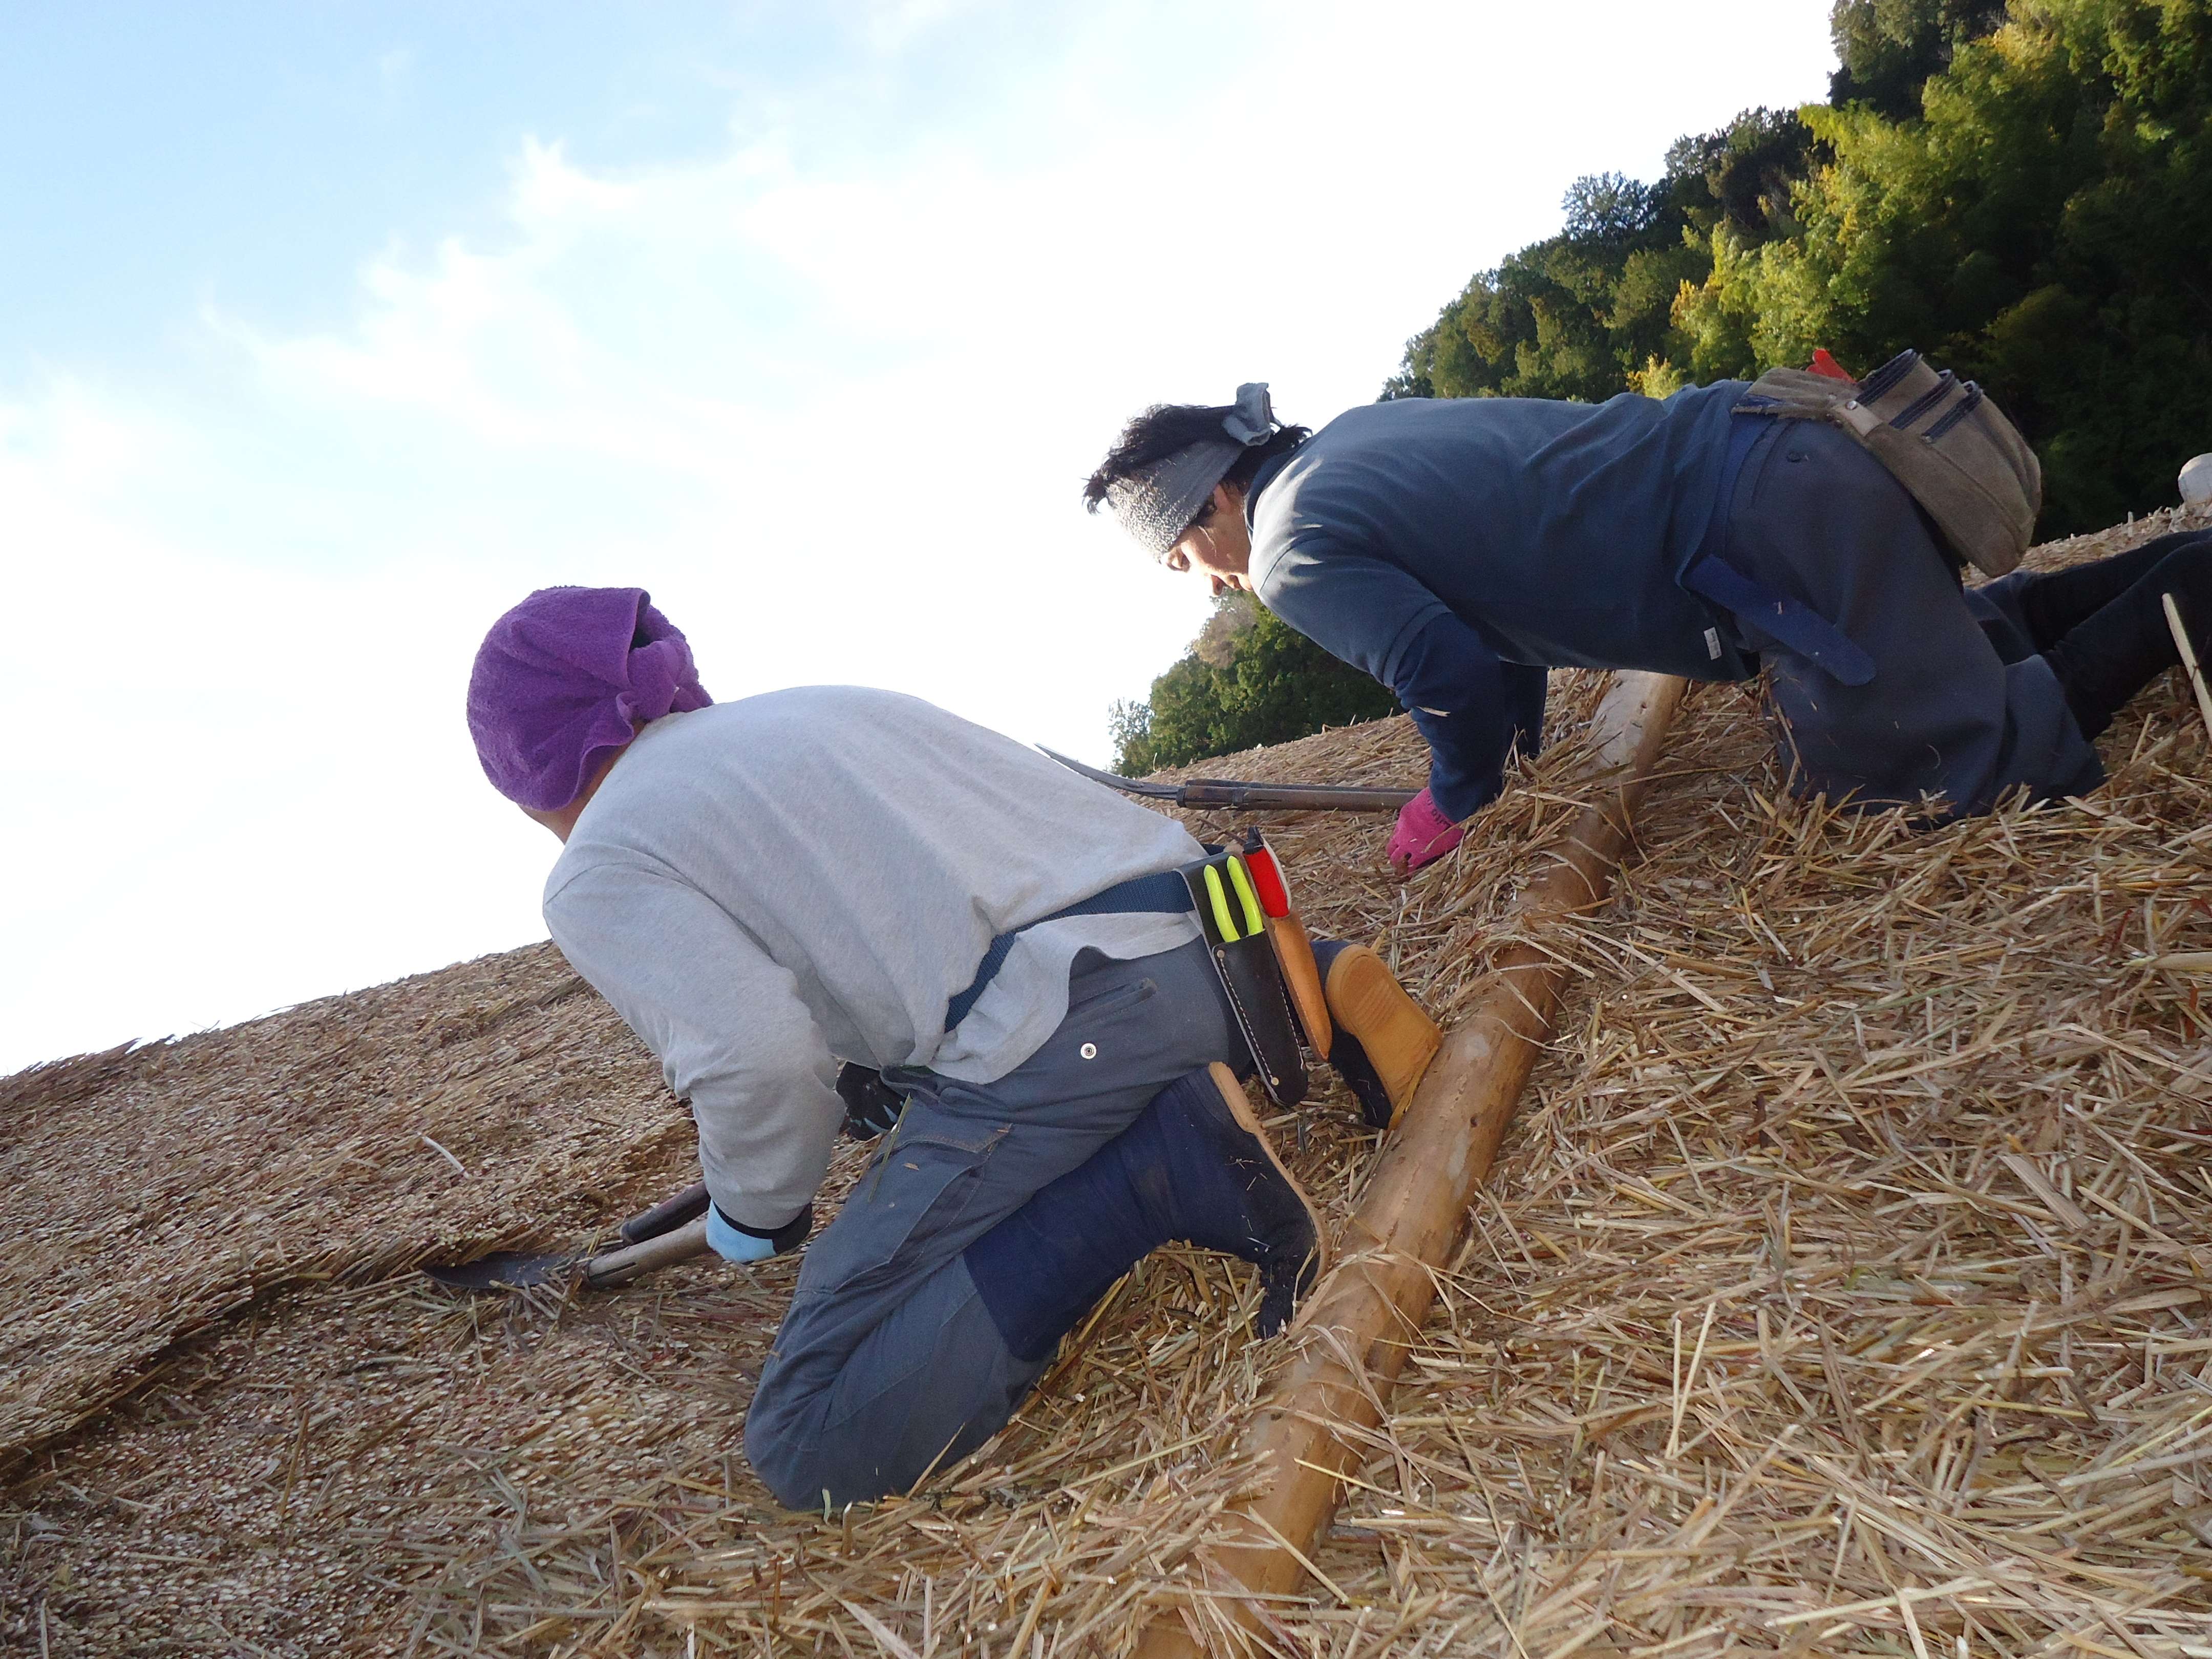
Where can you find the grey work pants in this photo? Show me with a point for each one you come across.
(887, 1364)
(1948, 711)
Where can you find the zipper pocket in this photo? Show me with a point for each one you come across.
(1926, 401)
(1966, 406)
(1878, 383)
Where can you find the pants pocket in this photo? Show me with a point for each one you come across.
(1110, 1000)
(912, 1192)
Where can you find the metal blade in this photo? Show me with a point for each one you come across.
(515, 1270)
(1239, 794)
(1127, 786)
(504, 1270)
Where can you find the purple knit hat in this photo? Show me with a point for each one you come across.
(559, 680)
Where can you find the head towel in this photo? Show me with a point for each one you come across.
(561, 679)
(1158, 505)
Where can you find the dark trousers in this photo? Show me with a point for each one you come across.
(887, 1364)
(1957, 706)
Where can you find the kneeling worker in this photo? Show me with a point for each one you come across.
(1456, 548)
(765, 888)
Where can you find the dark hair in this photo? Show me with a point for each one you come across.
(1165, 427)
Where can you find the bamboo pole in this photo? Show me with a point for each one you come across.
(2188, 658)
(1360, 1322)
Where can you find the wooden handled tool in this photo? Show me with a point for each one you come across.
(604, 1272)
(672, 1230)
(667, 1215)
(1239, 796)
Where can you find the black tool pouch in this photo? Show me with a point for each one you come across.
(1244, 955)
(871, 1105)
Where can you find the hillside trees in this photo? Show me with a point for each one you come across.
(2044, 225)
(1247, 679)
(1886, 50)
(1589, 314)
(2020, 191)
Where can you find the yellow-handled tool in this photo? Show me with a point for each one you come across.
(1255, 920)
(1225, 922)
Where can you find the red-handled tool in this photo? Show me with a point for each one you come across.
(1293, 946)
(1268, 877)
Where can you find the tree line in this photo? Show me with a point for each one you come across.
(2020, 189)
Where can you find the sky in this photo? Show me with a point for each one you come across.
(330, 330)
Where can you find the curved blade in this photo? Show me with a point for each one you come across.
(504, 1270)
(508, 1270)
(1127, 786)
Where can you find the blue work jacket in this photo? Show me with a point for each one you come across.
(1457, 548)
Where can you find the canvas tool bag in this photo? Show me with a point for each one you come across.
(1940, 436)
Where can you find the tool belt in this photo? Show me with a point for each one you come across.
(1259, 948)
(1939, 437)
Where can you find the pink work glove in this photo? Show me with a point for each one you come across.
(1423, 835)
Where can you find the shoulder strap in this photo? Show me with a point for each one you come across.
(1163, 890)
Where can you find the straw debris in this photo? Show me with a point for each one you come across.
(1846, 1286)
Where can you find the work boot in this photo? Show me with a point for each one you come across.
(1195, 1166)
(1383, 1042)
(2056, 602)
(2105, 660)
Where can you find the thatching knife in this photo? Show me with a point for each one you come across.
(670, 1231)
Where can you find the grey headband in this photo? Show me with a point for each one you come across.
(1158, 505)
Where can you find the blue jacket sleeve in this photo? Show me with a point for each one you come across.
(1472, 708)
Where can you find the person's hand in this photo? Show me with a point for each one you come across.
(1424, 835)
(735, 1244)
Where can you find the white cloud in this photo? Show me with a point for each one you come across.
(829, 396)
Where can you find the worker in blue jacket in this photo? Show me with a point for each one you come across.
(1458, 549)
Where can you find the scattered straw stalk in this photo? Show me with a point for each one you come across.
(1841, 1288)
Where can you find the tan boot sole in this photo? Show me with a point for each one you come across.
(1240, 1108)
(1367, 1000)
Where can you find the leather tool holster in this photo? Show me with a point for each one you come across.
(1265, 961)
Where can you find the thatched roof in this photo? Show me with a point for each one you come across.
(1844, 1287)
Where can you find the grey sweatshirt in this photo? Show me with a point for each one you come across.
(763, 888)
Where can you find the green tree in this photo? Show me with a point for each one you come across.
(1247, 679)
(1887, 50)
(1589, 314)
(2043, 224)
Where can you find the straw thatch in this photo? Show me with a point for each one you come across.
(1843, 1288)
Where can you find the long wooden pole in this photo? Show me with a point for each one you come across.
(1361, 1322)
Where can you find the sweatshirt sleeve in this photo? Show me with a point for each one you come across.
(727, 1023)
(1473, 708)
